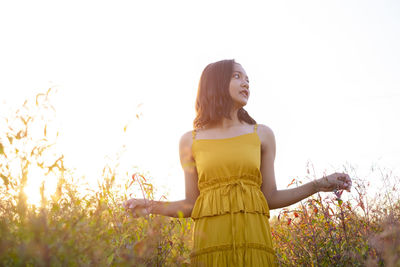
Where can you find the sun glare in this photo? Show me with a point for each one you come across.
(37, 177)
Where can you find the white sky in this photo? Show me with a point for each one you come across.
(324, 75)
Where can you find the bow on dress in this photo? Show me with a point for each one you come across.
(225, 191)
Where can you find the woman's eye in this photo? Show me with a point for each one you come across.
(236, 75)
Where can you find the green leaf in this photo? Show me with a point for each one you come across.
(110, 259)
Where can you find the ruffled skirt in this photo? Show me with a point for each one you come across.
(233, 239)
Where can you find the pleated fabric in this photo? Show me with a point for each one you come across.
(231, 214)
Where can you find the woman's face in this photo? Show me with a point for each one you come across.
(239, 86)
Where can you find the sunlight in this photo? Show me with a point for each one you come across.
(36, 176)
(123, 79)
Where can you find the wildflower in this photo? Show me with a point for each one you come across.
(338, 194)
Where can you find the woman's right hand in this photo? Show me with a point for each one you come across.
(137, 206)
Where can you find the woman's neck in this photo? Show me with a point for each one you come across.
(226, 124)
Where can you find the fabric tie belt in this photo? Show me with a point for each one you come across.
(225, 191)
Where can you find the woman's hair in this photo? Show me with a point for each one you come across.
(213, 100)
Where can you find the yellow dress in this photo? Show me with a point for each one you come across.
(231, 226)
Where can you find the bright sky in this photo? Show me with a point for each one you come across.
(324, 75)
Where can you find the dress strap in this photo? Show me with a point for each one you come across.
(255, 127)
(194, 133)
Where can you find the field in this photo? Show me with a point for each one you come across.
(75, 227)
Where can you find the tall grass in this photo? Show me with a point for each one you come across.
(325, 230)
(76, 227)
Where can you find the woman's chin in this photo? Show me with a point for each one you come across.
(243, 102)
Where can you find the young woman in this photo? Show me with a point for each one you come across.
(228, 162)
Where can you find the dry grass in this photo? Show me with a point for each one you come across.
(89, 228)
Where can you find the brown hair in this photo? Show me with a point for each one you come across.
(213, 100)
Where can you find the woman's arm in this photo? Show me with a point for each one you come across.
(282, 198)
(171, 209)
(184, 207)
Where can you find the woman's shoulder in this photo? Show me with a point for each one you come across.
(265, 134)
(185, 145)
(265, 129)
(186, 138)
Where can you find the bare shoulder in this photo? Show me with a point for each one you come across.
(186, 138)
(185, 144)
(266, 135)
(264, 130)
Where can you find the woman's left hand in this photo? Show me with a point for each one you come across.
(335, 181)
